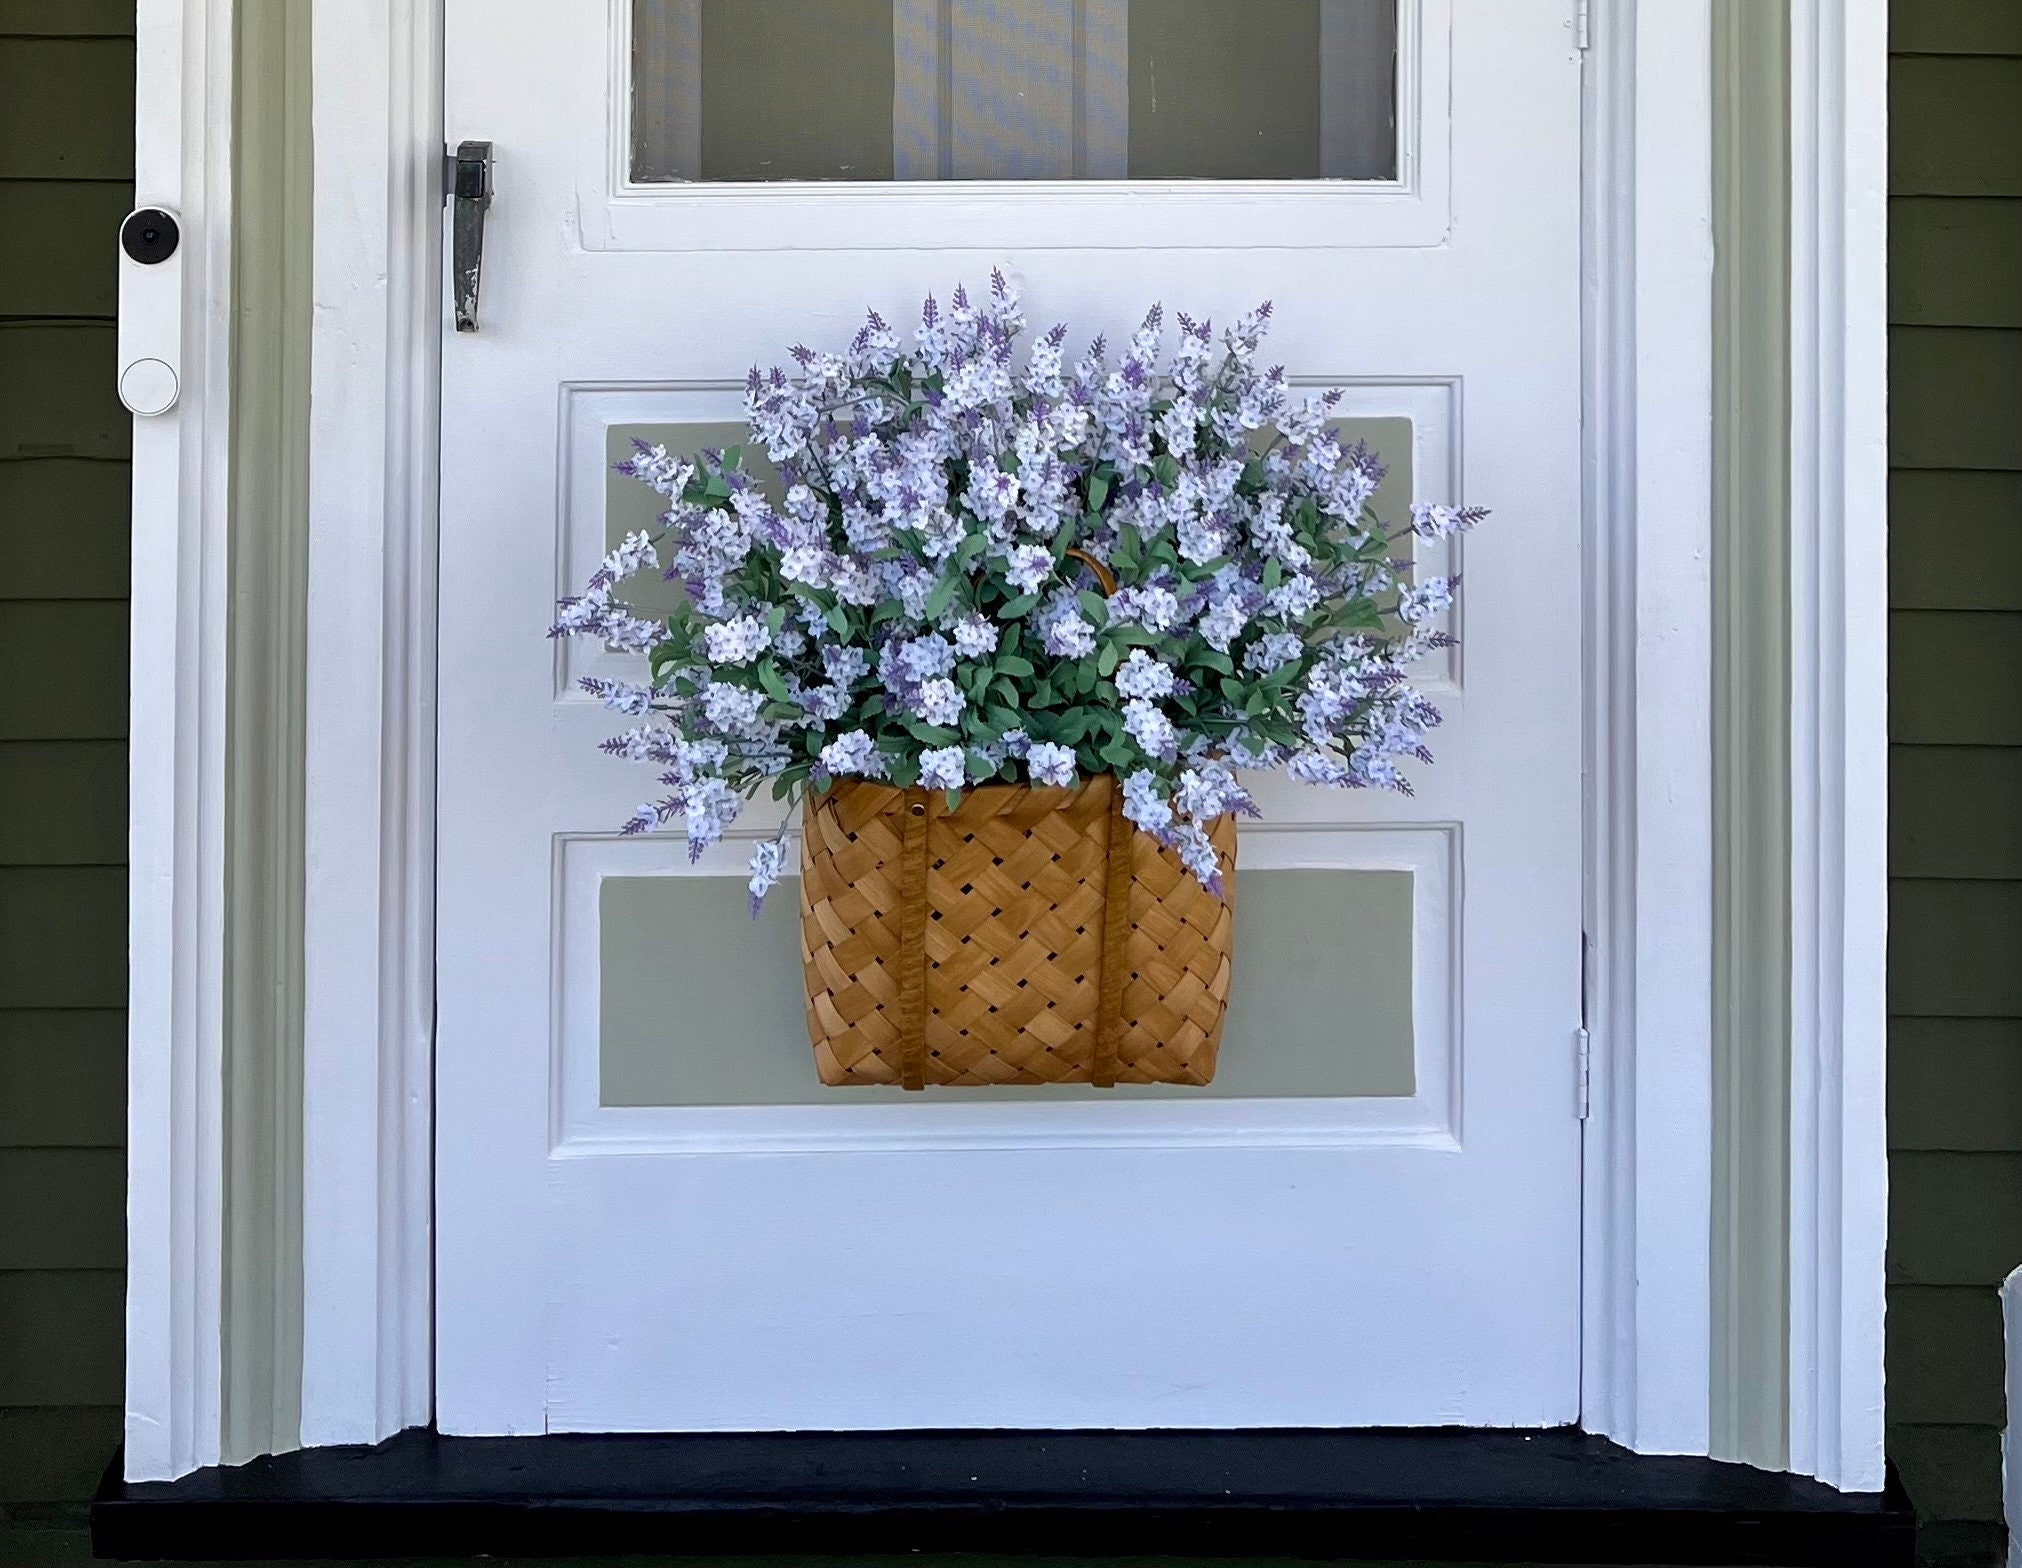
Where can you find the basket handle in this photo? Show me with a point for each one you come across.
(1103, 574)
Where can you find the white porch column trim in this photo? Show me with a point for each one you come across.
(1649, 261)
(1839, 735)
(370, 802)
(176, 880)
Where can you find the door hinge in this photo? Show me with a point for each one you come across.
(1583, 1042)
(466, 183)
(1583, 23)
(1583, 1072)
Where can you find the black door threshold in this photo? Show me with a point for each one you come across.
(1478, 1496)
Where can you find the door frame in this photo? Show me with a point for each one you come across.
(365, 1153)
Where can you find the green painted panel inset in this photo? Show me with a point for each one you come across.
(62, 936)
(1945, 1359)
(67, 669)
(63, 802)
(702, 1006)
(1955, 1083)
(1955, 397)
(57, 256)
(63, 1078)
(1950, 1472)
(58, 392)
(66, 108)
(1952, 950)
(1954, 1219)
(1955, 27)
(62, 1209)
(1955, 678)
(1958, 811)
(61, 1337)
(1955, 122)
(1955, 261)
(55, 1456)
(64, 528)
(1955, 539)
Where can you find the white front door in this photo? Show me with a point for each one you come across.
(649, 1215)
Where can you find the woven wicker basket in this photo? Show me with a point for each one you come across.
(1030, 936)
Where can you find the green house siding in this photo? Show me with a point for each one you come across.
(1955, 773)
(66, 177)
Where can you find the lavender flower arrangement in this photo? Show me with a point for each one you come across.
(1166, 569)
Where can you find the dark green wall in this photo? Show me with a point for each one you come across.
(66, 170)
(1955, 773)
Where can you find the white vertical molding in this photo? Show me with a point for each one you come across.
(1839, 736)
(369, 982)
(175, 997)
(1648, 283)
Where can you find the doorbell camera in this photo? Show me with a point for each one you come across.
(150, 311)
(149, 236)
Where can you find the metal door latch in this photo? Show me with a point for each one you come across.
(467, 184)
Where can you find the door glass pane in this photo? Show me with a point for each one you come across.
(1013, 89)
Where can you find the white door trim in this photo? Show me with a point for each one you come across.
(369, 907)
(369, 809)
(1839, 736)
(1648, 1170)
(176, 773)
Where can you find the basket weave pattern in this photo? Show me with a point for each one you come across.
(968, 947)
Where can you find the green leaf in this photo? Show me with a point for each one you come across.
(1274, 574)
(1023, 605)
(1209, 658)
(1098, 491)
(954, 800)
(1107, 660)
(733, 457)
(1117, 754)
(1094, 606)
(837, 620)
(931, 734)
(1011, 664)
(778, 712)
(943, 595)
(768, 677)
